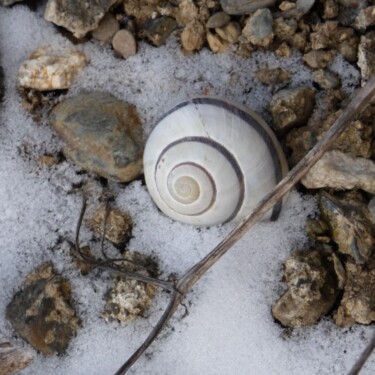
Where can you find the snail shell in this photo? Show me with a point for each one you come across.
(209, 161)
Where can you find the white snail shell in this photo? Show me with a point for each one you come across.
(209, 161)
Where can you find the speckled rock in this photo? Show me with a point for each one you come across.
(341, 171)
(326, 79)
(318, 59)
(350, 224)
(159, 29)
(107, 28)
(48, 69)
(358, 302)
(365, 18)
(118, 225)
(312, 289)
(193, 36)
(366, 56)
(240, 7)
(102, 134)
(124, 43)
(79, 17)
(272, 76)
(42, 312)
(127, 299)
(258, 28)
(219, 19)
(13, 358)
(292, 107)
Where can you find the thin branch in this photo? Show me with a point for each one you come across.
(186, 282)
(363, 358)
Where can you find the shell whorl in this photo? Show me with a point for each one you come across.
(209, 161)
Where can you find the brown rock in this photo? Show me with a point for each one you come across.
(219, 19)
(324, 35)
(13, 359)
(187, 12)
(193, 36)
(42, 312)
(118, 225)
(159, 29)
(230, 33)
(326, 79)
(107, 28)
(319, 59)
(273, 76)
(284, 29)
(366, 56)
(216, 43)
(124, 43)
(365, 18)
(330, 9)
(284, 50)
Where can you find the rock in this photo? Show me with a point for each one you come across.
(366, 56)
(107, 28)
(216, 43)
(284, 51)
(47, 69)
(9, 2)
(287, 5)
(312, 289)
(42, 312)
(230, 33)
(341, 171)
(271, 76)
(241, 7)
(326, 79)
(124, 43)
(158, 30)
(219, 19)
(258, 28)
(284, 29)
(102, 134)
(292, 107)
(347, 43)
(79, 17)
(129, 298)
(365, 18)
(355, 140)
(350, 225)
(187, 12)
(371, 208)
(118, 225)
(13, 359)
(304, 6)
(319, 59)
(330, 9)
(193, 36)
(358, 302)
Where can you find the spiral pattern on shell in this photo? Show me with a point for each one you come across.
(209, 161)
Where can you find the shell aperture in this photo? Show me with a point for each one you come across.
(208, 161)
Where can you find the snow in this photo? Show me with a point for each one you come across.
(229, 328)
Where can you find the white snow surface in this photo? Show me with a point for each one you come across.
(229, 328)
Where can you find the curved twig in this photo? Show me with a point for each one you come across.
(186, 282)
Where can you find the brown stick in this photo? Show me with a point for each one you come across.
(13, 359)
(186, 282)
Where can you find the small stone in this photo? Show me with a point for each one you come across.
(187, 12)
(124, 43)
(102, 134)
(258, 28)
(79, 17)
(365, 18)
(47, 69)
(304, 6)
(350, 225)
(284, 51)
(341, 171)
(366, 56)
(325, 35)
(13, 358)
(193, 36)
(347, 43)
(326, 79)
(330, 9)
(42, 312)
(241, 7)
(319, 59)
(141, 10)
(230, 32)
(358, 302)
(287, 5)
(312, 289)
(292, 107)
(216, 43)
(245, 50)
(129, 298)
(118, 225)
(299, 41)
(159, 29)
(273, 76)
(219, 19)
(284, 29)
(107, 28)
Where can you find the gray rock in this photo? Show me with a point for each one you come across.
(350, 224)
(326, 79)
(240, 7)
(219, 19)
(258, 28)
(102, 134)
(107, 28)
(312, 289)
(79, 17)
(292, 107)
(42, 312)
(159, 29)
(9, 2)
(366, 56)
(341, 171)
(304, 6)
